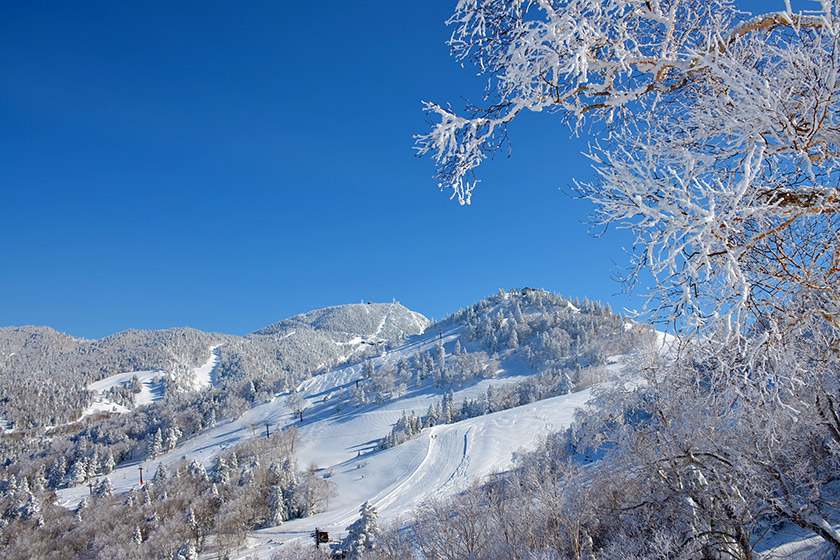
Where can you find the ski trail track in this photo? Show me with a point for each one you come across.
(341, 441)
(441, 461)
(383, 321)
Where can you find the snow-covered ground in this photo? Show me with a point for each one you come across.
(204, 375)
(151, 385)
(341, 439)
(151, 388)
(441, 461)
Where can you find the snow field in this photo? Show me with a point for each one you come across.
(441, 461)
(150, 390)
(203, 375)
(341, 440)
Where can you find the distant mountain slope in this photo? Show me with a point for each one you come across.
(385, 321)
(281, 442)
(278, 357)
(393, 425)
(44, 373)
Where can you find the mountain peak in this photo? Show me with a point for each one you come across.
(383, 321)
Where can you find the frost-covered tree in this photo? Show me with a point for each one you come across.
(57, 471)
(362, 533)
(154, 444)
(170, 439)
(718, 145)
(108, 462)
(716, 137)
(103, 487)
(160, 474)
(566, 384)
(78, 472)
(295, 402)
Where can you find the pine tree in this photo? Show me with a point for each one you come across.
(362, 533)
(138, 536)
(197, 470)
(171, 439)
(104, 488)
(78, 472)
(93, 464)
(448, 408)
(187, 551)
(108, 462)
(277, 509)
(211, 417)
(57, 471)
(160, 473)
(432, 416)
(517, 314)
(31, 510)
(566, 384)
(39, 480)
(155, 445)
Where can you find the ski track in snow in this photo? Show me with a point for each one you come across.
(383, 321)
(440, 461)
(149, 390)
(204, 375)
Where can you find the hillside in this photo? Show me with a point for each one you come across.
(400, 421)
(44, 374)
(369, 322)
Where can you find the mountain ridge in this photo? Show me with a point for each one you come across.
(40, 358)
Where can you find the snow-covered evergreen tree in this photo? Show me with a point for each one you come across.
(108, 462)
(154, 446)
(362, 533)
(160, 474)
(103, 488)
(137, 538)
(277, 508)
(78, 472)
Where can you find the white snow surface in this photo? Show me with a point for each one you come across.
(151, 385)
(341, 440)
(150, 390)
(203, 375)
(441, 461)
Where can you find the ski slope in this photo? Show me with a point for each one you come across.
(151, 388)
(151, 385)
(341, 439)
(441, 461)
(203, 375)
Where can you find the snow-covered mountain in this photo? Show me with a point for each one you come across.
(307, 419)
(38, 361)
(44, 374)
(363, 322)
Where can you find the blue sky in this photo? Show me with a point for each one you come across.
(224, 165)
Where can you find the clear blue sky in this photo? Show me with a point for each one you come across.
(224, 165)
